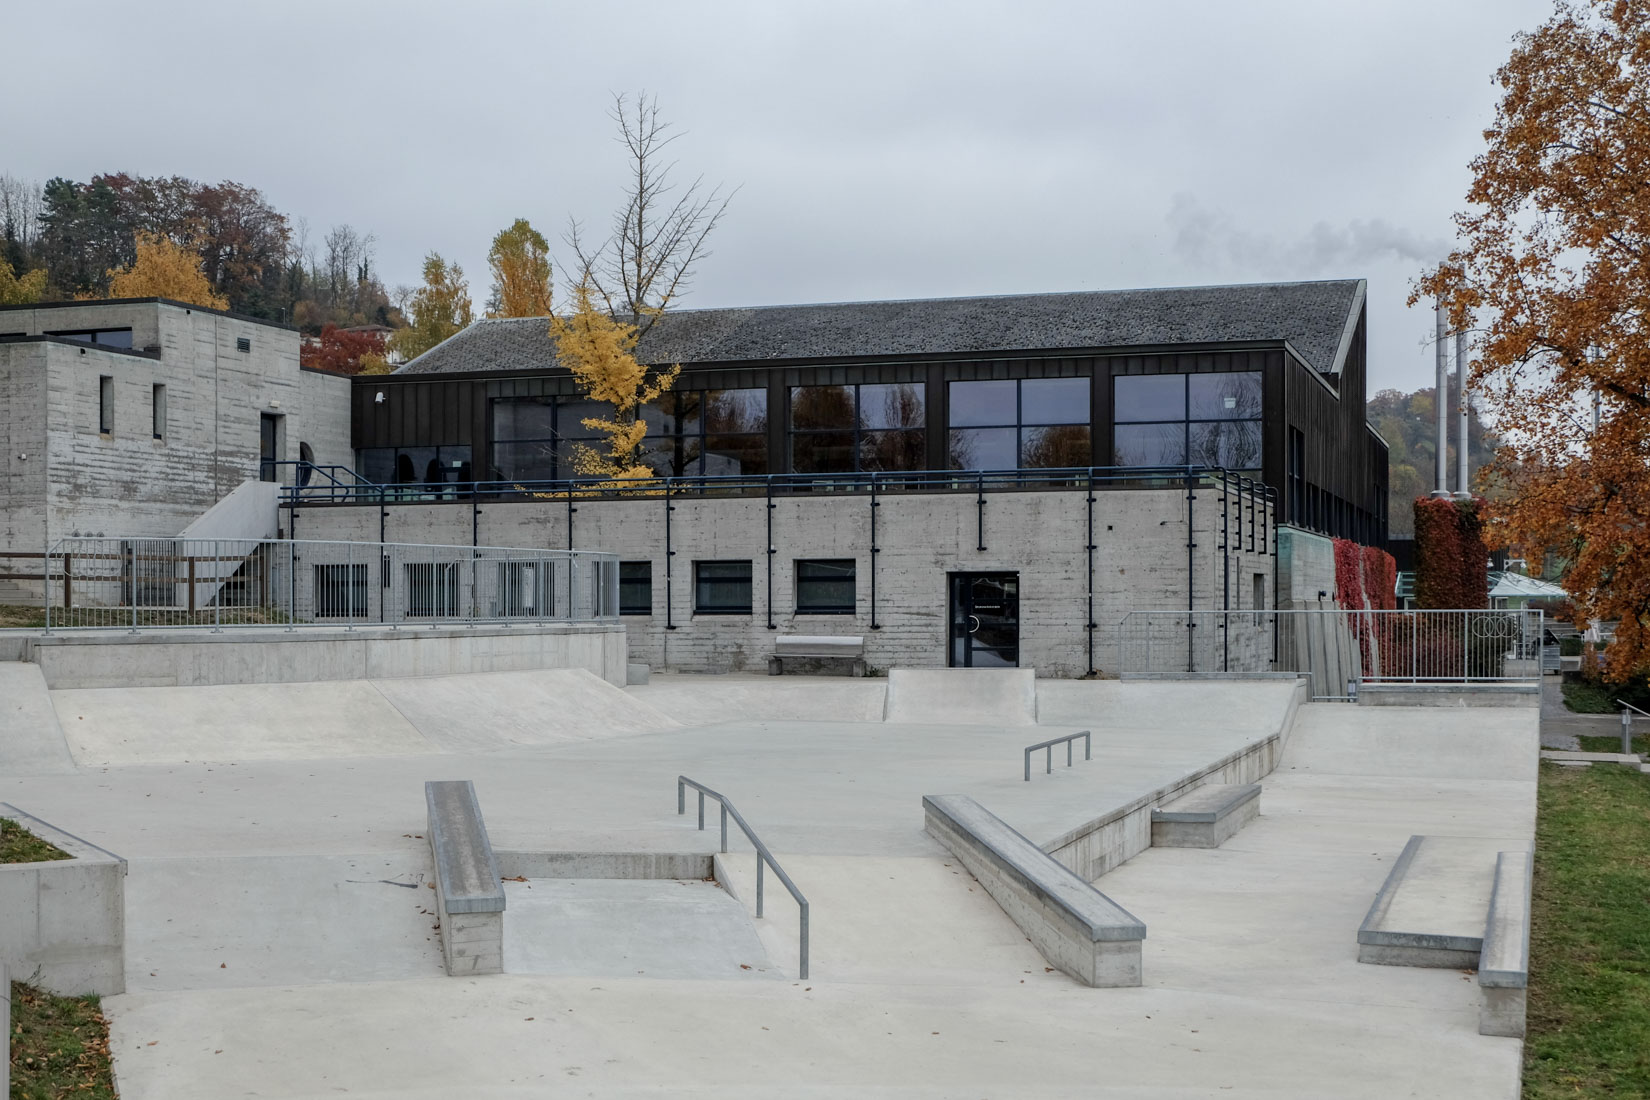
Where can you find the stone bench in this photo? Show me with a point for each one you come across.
(469, 894)
(1430, 910)
(1076, 928)
(1504, 963)
(826, 647)
(1205, 816)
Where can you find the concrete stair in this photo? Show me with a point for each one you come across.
(1205, 817)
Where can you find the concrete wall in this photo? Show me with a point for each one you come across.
(254, 656)
(1306, 567)
(63, 922)
(1140, 562)
(126, 481)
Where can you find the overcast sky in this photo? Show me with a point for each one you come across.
(881, 150)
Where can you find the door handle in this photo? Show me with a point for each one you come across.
(975, 619)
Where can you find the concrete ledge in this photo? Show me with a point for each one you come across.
(962, 696)
(196, 657)
(469, 894)
(1383, 938)
(63, 922)
(1449, 695)
(1205, 816)
(1077, 928)
(1571, 756)
(1504, 964)
(637, 865)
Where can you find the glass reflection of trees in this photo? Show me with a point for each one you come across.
(1035, 423)
(1188, 419)
(842, 429)
(716, 432)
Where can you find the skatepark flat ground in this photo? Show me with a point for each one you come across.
(280, 942)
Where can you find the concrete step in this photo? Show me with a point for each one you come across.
(1571, 756)
(1205, 817)
(1432, 907)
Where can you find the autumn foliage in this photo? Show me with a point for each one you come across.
(165, 269)
(1451, 561)
(520, 262)
(1553, 266)
(344, 351)
(1365, 577)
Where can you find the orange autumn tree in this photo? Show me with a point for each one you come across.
(520, 262)
(165, 269)
(1552, 264)
(600, 351)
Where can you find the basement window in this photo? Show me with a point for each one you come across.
(722, 587)
(635, 588)
(341, 591)
(106, 404)
(157, 410)
(825, 586)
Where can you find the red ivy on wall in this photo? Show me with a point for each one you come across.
(1364, 577)
(1451, 562)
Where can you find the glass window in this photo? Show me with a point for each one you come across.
(432, 588)
(635, 588)
(341, 591)
(982, 404)
(825, 586)
(157, 409)
(376, 464)
(1230, 444)
(1149, 397)
(107, 337)
(822, 452)
(1044, 424)
(106, 404)
(524, 418)
(843, 429)
(722, 587)
(1149, 444)
(901, 405)
(1232, 396)
(1054, 401)
(814, 408)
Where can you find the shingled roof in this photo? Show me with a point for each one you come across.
(1316, 318)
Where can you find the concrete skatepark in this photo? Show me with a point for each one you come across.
(280, 935)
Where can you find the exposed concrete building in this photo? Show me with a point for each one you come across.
(133, 417)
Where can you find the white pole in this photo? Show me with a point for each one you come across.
(1463, 486)
(1441, 395)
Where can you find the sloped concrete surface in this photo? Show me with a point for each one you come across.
(962, 696)
(31, 741)
(716, 700)
(495, 710)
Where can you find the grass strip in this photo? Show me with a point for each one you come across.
(18, 845)
(1589, 1008)
(59, 1047)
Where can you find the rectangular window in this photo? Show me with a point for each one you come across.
(635, 588)
(1188, 420)
(341, 591)
(157, 410)
(722, 587)
(825, 586)
(106, 405)
(843, 429)
(1259, 603)
(432, 589)
(103, 337)
(1035, 423)
(524, 589)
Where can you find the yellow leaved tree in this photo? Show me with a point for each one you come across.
(520, 262)
(165, 269)
(20, 290)
(600, 351)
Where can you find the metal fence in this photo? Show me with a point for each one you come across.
(143, 582)
(1337, 649)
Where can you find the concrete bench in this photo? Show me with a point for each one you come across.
(1206, 816)
(1430, 910)
(839, 647)
(1076, 928)
(1504, 964)
(469, 895)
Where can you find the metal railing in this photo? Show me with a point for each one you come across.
(138, 583)
(1627, 712)
(339, 485)
(1338, 650)
(1048, 746)
(762, 853)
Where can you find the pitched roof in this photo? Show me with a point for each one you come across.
(1317, 319)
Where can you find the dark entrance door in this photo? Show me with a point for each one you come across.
(985, 620)
(268, 442)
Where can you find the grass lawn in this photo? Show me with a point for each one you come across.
(1589, 1014)
(18, 845)
(13, 615)
(59, 1047)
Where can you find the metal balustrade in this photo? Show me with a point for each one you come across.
(1338, 650)
(140, 583)
(762, 853)
(1048, 746)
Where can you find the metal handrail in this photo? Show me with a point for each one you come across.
(762, 853)
(1627, 712)
(1631, 707)
(1049, 746)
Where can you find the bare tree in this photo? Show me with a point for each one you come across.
(20, 204)
(658, 236)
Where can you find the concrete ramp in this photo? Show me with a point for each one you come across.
(31, 739)
(115, 727)
(499, 710)
(1258, 706)
(962, 696)
(712, 700)
(1416, 742)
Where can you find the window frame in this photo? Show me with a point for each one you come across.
(857, 430)
(700, 607)
(157, 409)
(1017, 423)
(1187, 422)
(347, 585)
(633, 607)
(799, 581)
(106, 404)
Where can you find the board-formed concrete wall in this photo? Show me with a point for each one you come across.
(80, 480)
(1140, 562)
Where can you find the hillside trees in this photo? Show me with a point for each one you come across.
(1407, 422)
(439, 308)
(1553, 264)
(164, 269)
